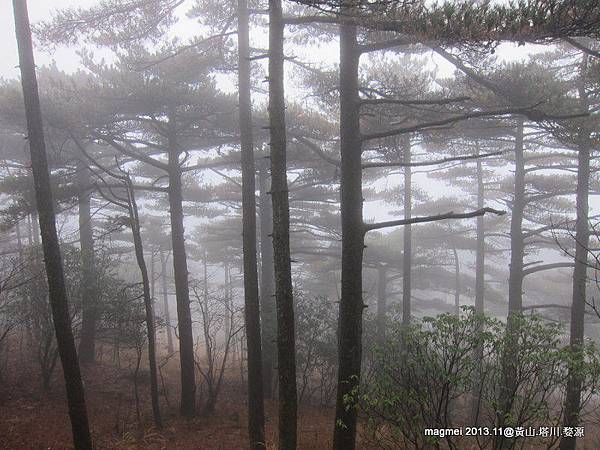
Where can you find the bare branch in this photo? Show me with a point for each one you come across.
(430, 163)
(445, 216)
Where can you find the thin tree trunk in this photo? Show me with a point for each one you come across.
(407, 236)
(381, 304)
(82, 439)
(480, 254)
(351, 302)
(457, 284)
(148, 304)
(256, 414)
(267, 280)
(582, 239)
(166, 312)
(180, 270)
(284, 298)
(19, 240)
(227, 285)
(89, 307)
(479, 292)
(152, 275)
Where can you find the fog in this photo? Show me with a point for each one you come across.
(299, 225)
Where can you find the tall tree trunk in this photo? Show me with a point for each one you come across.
(256, 414)
(515, 286)
(166, 312)
(228, 300)
(457, 283)
(381, 304)
(284, 298)
(351, 302)
(89, 306)
(479, 291)
(267, 282)
(517, 250)
(182, 291)
(407, 236)
(82, 439)
(148, 304)
(480, 253)
(582, 239)
(152, 275)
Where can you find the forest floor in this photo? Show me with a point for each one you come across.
(33, 419)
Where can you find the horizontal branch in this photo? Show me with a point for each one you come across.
(544, 267)
(429, 163)
(528, 112)
(310, 19)
(384, 45)
(445, 216)
(394, 101)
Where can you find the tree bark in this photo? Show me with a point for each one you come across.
(582, 238)
(515, 278)
(284, 299)
(82, 439)
(267, 282)
(256, 414)
(351, 205)
(166, 312)
(515, 287)
(89, 307)
(182, 292)
(407, 235)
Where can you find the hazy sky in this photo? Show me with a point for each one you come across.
(38, 10)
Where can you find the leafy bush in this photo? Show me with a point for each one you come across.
(433, 374)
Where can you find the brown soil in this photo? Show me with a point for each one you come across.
(32, 419)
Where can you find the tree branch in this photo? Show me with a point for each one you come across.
(430, 163)
(393, 101)
(528, 112)
(445, 216)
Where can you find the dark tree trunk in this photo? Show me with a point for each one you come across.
(381, 304)
(89, 307)
(351, 302)
(148, 304)
(284, 298)
(407, 236)
(582, 239)
(256, 414)
(182, 291)
(267, 282)
(166, 312)
(515, 286)
(82, 439)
